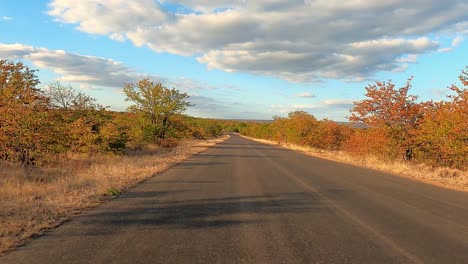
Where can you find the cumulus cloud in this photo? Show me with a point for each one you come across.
(297, 40)
(75, 67)
(110, 17)
(412, 58)
(90, 71)
(94, 73)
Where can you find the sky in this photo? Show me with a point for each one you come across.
(241, 59)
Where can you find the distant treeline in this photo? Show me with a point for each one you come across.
(390, 124)
(38, 126)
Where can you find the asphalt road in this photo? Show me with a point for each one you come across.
(245, 202)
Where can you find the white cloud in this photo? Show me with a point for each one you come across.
(303, 106)
(324, 108)
(90, 71)
(108, 17)
(94, 73)
(411, 58)
(297, 40)
(305, 95)
(75, 67)
(188, 84)
(117, 37)
(342, 103)
(457, 41)
(6, 18)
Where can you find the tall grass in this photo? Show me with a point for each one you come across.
(36, 199)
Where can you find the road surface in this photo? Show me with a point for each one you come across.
(246, 202)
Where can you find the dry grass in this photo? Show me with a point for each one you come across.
(34, 200)
(445, 177)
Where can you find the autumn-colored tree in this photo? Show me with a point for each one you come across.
(330, 135)
(94, 131)
(86, 125)
(464, 77)
(26, 124)
(391, 123)
(392, 109)
(301, 127)
(443, 134)
(370, 142)
(200, 128)
(157, 104)
(297, 128)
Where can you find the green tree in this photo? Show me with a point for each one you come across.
(157, 104)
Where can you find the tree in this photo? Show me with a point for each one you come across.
(86, 125)
(301, 128)
(443, 133)
(60, 96)
(26, 123)
(67, 98)
(464, 77)
(156, 104)
(331, 135)
(392, 109)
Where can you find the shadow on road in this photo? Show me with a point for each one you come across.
(229, 156)
(257, 147)
(198, 213)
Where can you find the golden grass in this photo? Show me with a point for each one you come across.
(34, 200)
(445, 177)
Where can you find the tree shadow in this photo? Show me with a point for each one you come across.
(228, 155)
(147, 211)
(190, 164)
(180, 181)
(247, 147)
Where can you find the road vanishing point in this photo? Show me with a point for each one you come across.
(246, 202)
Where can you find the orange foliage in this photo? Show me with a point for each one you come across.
(370, 142)
(392, 126)
(390, 109)
(301, 128)
(26, 129)
(331, 136)
(33, 130)
(443, 134)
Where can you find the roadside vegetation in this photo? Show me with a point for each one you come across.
(389, 130)
(62, 152)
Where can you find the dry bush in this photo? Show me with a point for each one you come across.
(36, 199)
(167, 143)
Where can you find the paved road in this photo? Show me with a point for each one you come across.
(245, 202)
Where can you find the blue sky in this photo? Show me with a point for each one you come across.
(241, 59)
